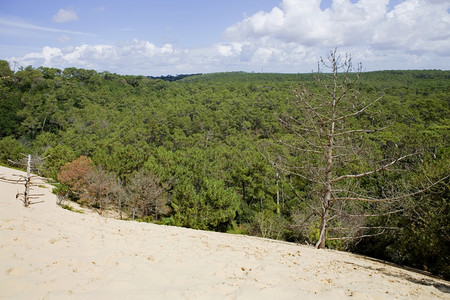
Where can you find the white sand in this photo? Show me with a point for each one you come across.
(47, 252)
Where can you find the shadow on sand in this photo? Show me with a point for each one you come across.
(436, 283)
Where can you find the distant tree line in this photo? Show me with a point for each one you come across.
(172, 77)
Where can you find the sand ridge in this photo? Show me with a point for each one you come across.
(47, 252)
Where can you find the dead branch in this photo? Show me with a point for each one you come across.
(359, 111)
(363, 130)
(369, 215)
(300, 197)
(356, 237)
(384, 167)
(391, 199)
(364, 227)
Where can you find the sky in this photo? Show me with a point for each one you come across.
(169, 37)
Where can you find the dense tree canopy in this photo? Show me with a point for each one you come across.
(199, 142)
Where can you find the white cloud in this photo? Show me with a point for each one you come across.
(134, 57)
(65, 15)
(414, 34)
(303, 21)
(416, 27)
(144, 57)
(413, 25)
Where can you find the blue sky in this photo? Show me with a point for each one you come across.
(160, 37)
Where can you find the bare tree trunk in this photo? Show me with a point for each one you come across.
(26, 199)
(326, 200)
(323, 228)
(278, 193)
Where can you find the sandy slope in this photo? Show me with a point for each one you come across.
(47, 252)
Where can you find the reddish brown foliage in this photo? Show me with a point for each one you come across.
(74, 173)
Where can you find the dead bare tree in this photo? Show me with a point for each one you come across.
(146, 195)
(26, 180)
(101, 189)
(329, 136)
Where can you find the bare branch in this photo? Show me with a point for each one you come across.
(310, 206)
(367, 199)
(347, 88)
(359, 111)
(312, 109)
(15, 181)
(363, 130)
(371, 215)
(356, 237)
(306, 220)
(363, 227)
(283, 168)
(300, 149)
(384, 167)
(299, 134)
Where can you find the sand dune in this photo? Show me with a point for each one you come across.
(47, 252)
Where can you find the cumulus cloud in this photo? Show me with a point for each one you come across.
(303, 21)
(136, 56)
(416, 27)
(144, 57)
(414, 34)
(413, 25)
(65, 15)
